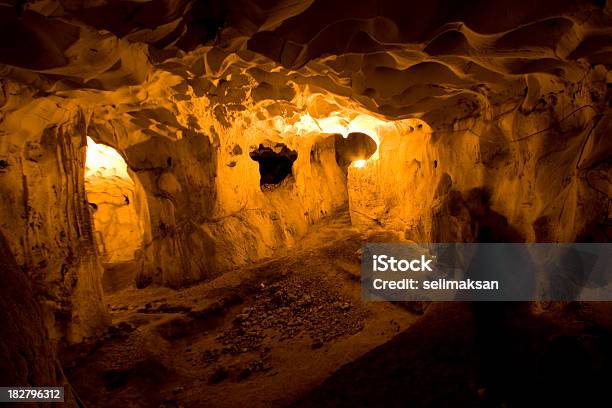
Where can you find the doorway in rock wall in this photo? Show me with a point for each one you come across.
(355, 149)
(118, 207)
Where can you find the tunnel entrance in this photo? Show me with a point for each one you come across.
(116, 202)
(356, 148)
(275, 164)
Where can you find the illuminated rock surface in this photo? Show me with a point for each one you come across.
(119, 212)
(491, 122)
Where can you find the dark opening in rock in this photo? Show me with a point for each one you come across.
(356, 146)
(275, 163)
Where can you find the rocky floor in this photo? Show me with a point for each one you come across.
(268, 333)
(293, 331)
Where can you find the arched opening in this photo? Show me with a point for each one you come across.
(116, 202)
(275, 164)
(356, 148)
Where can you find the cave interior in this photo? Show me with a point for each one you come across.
(185, 187)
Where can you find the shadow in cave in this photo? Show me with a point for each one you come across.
(480, 354)
(275, 164)
(523, 359)
(489, 226)
(530, 361)
(429, 364)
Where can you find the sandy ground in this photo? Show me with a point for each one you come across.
(263, 335)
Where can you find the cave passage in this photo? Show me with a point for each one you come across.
(356, 148)
(188, 191)
(112, 197)
(275, 164)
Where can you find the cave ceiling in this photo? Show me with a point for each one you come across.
(138, 62)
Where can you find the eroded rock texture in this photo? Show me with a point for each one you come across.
(44, 211)
(118, 205)
(29, 356)
(490, 118)
(529, 170)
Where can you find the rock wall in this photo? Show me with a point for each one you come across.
(45, 217)
(118, 225)
(185, 92)
(28, 354)
(208, 211)
(534, 169)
